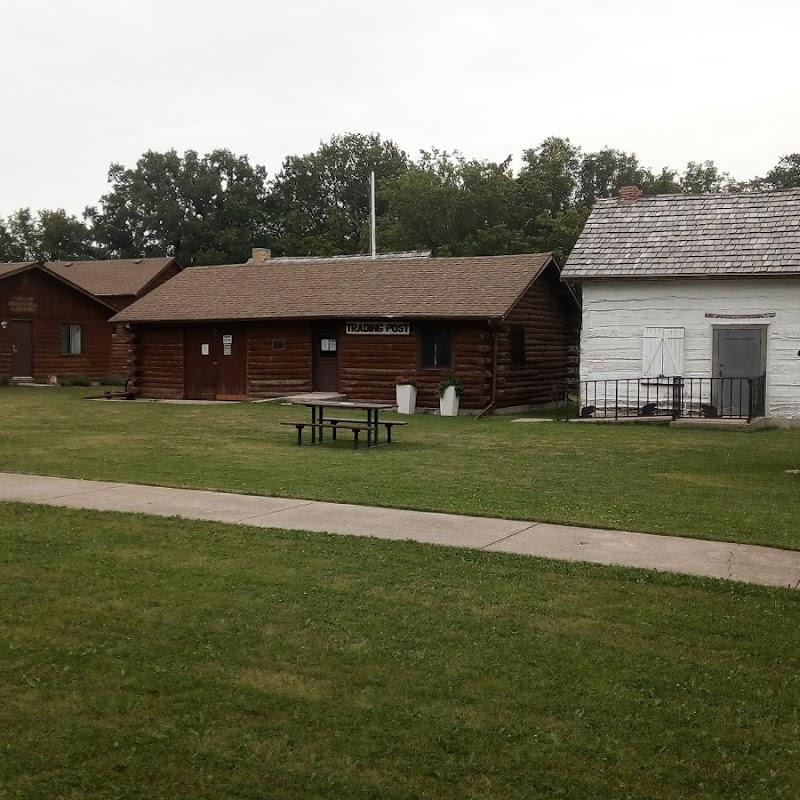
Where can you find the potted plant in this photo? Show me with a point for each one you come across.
(406, 394)
(450, 389)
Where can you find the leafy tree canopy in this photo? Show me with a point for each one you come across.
(319, 202)
(53, 235)
(213, 209)
(201, 209)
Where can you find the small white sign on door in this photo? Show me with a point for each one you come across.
(227, 343)
(204, 350)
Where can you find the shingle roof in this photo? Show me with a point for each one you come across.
(119, 276)
(114, 277)
(479, 287)
(8, 267)
(692, 236)
(362, 257)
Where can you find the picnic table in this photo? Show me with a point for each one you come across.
(319, 422)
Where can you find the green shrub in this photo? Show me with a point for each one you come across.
(73, 380)
(112, 380)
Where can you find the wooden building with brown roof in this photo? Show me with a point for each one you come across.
(54, 315)
(353, 325)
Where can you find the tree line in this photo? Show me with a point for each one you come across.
(213, 209)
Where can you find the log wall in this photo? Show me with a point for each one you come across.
(156, 362)
(549, 314)
(45, 301)
(278, 359)
(370, 365)
(279, 356)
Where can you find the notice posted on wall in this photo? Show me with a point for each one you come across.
(204, 350)
(227, 344)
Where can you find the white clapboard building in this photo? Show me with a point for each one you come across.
(691, 304)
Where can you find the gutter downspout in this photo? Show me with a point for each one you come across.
(493, 397)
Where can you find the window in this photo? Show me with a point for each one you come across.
(327, 346)
(662, 352)
(436, 349)
(71, 339)
(517, 345)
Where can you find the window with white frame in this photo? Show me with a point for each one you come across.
(662, 352)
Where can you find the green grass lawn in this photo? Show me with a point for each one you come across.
(159, 658)
(709, 484)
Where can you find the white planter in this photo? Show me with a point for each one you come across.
(406, 398)
(448, 403)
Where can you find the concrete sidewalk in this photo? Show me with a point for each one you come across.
(761, 565)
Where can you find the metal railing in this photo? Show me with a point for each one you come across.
(675, 397)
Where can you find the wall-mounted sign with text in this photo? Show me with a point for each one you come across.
(379, 328)
(22, 305)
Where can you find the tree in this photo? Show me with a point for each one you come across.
(703, 178)
(63, 237)
(603, 172)
(319, 202)
(551, 217)
(8, 247)
(452, 206)
(666, 182)
(53, 235)
(202, 210)
(549, 177)
(785, 175)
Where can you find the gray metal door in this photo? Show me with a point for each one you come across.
(739, 354)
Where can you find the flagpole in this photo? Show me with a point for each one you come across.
(372, 237)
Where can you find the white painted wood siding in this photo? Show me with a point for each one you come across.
(616, 314)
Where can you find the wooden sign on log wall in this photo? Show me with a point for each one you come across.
(22, 305)
(378, 328)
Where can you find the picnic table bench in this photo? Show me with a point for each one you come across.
(356, 429)
(319, 422)
(346, 422)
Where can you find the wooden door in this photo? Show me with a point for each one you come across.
(739, 353)
(22, 348)
(326, 359)
(200, 369)
(231, 357)
(215, 362)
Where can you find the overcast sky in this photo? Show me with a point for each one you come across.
(88, 82)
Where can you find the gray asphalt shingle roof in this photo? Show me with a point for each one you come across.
(690, 236)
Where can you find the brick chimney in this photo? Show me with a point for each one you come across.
(629, 194)
(260, 255)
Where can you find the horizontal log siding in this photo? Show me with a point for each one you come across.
(53, 304)
(369, 365)
(271, 372)
(157, 362)
(548, 313)
(121, 344)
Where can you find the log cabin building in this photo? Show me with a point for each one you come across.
(54, 315)
(352, 325)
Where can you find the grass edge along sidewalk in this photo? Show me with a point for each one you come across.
(748, 563)
(153, 657)
(713, 485)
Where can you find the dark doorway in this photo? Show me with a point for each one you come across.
(739, 354)
(215, 363)
(326, 359)
(22, 349)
